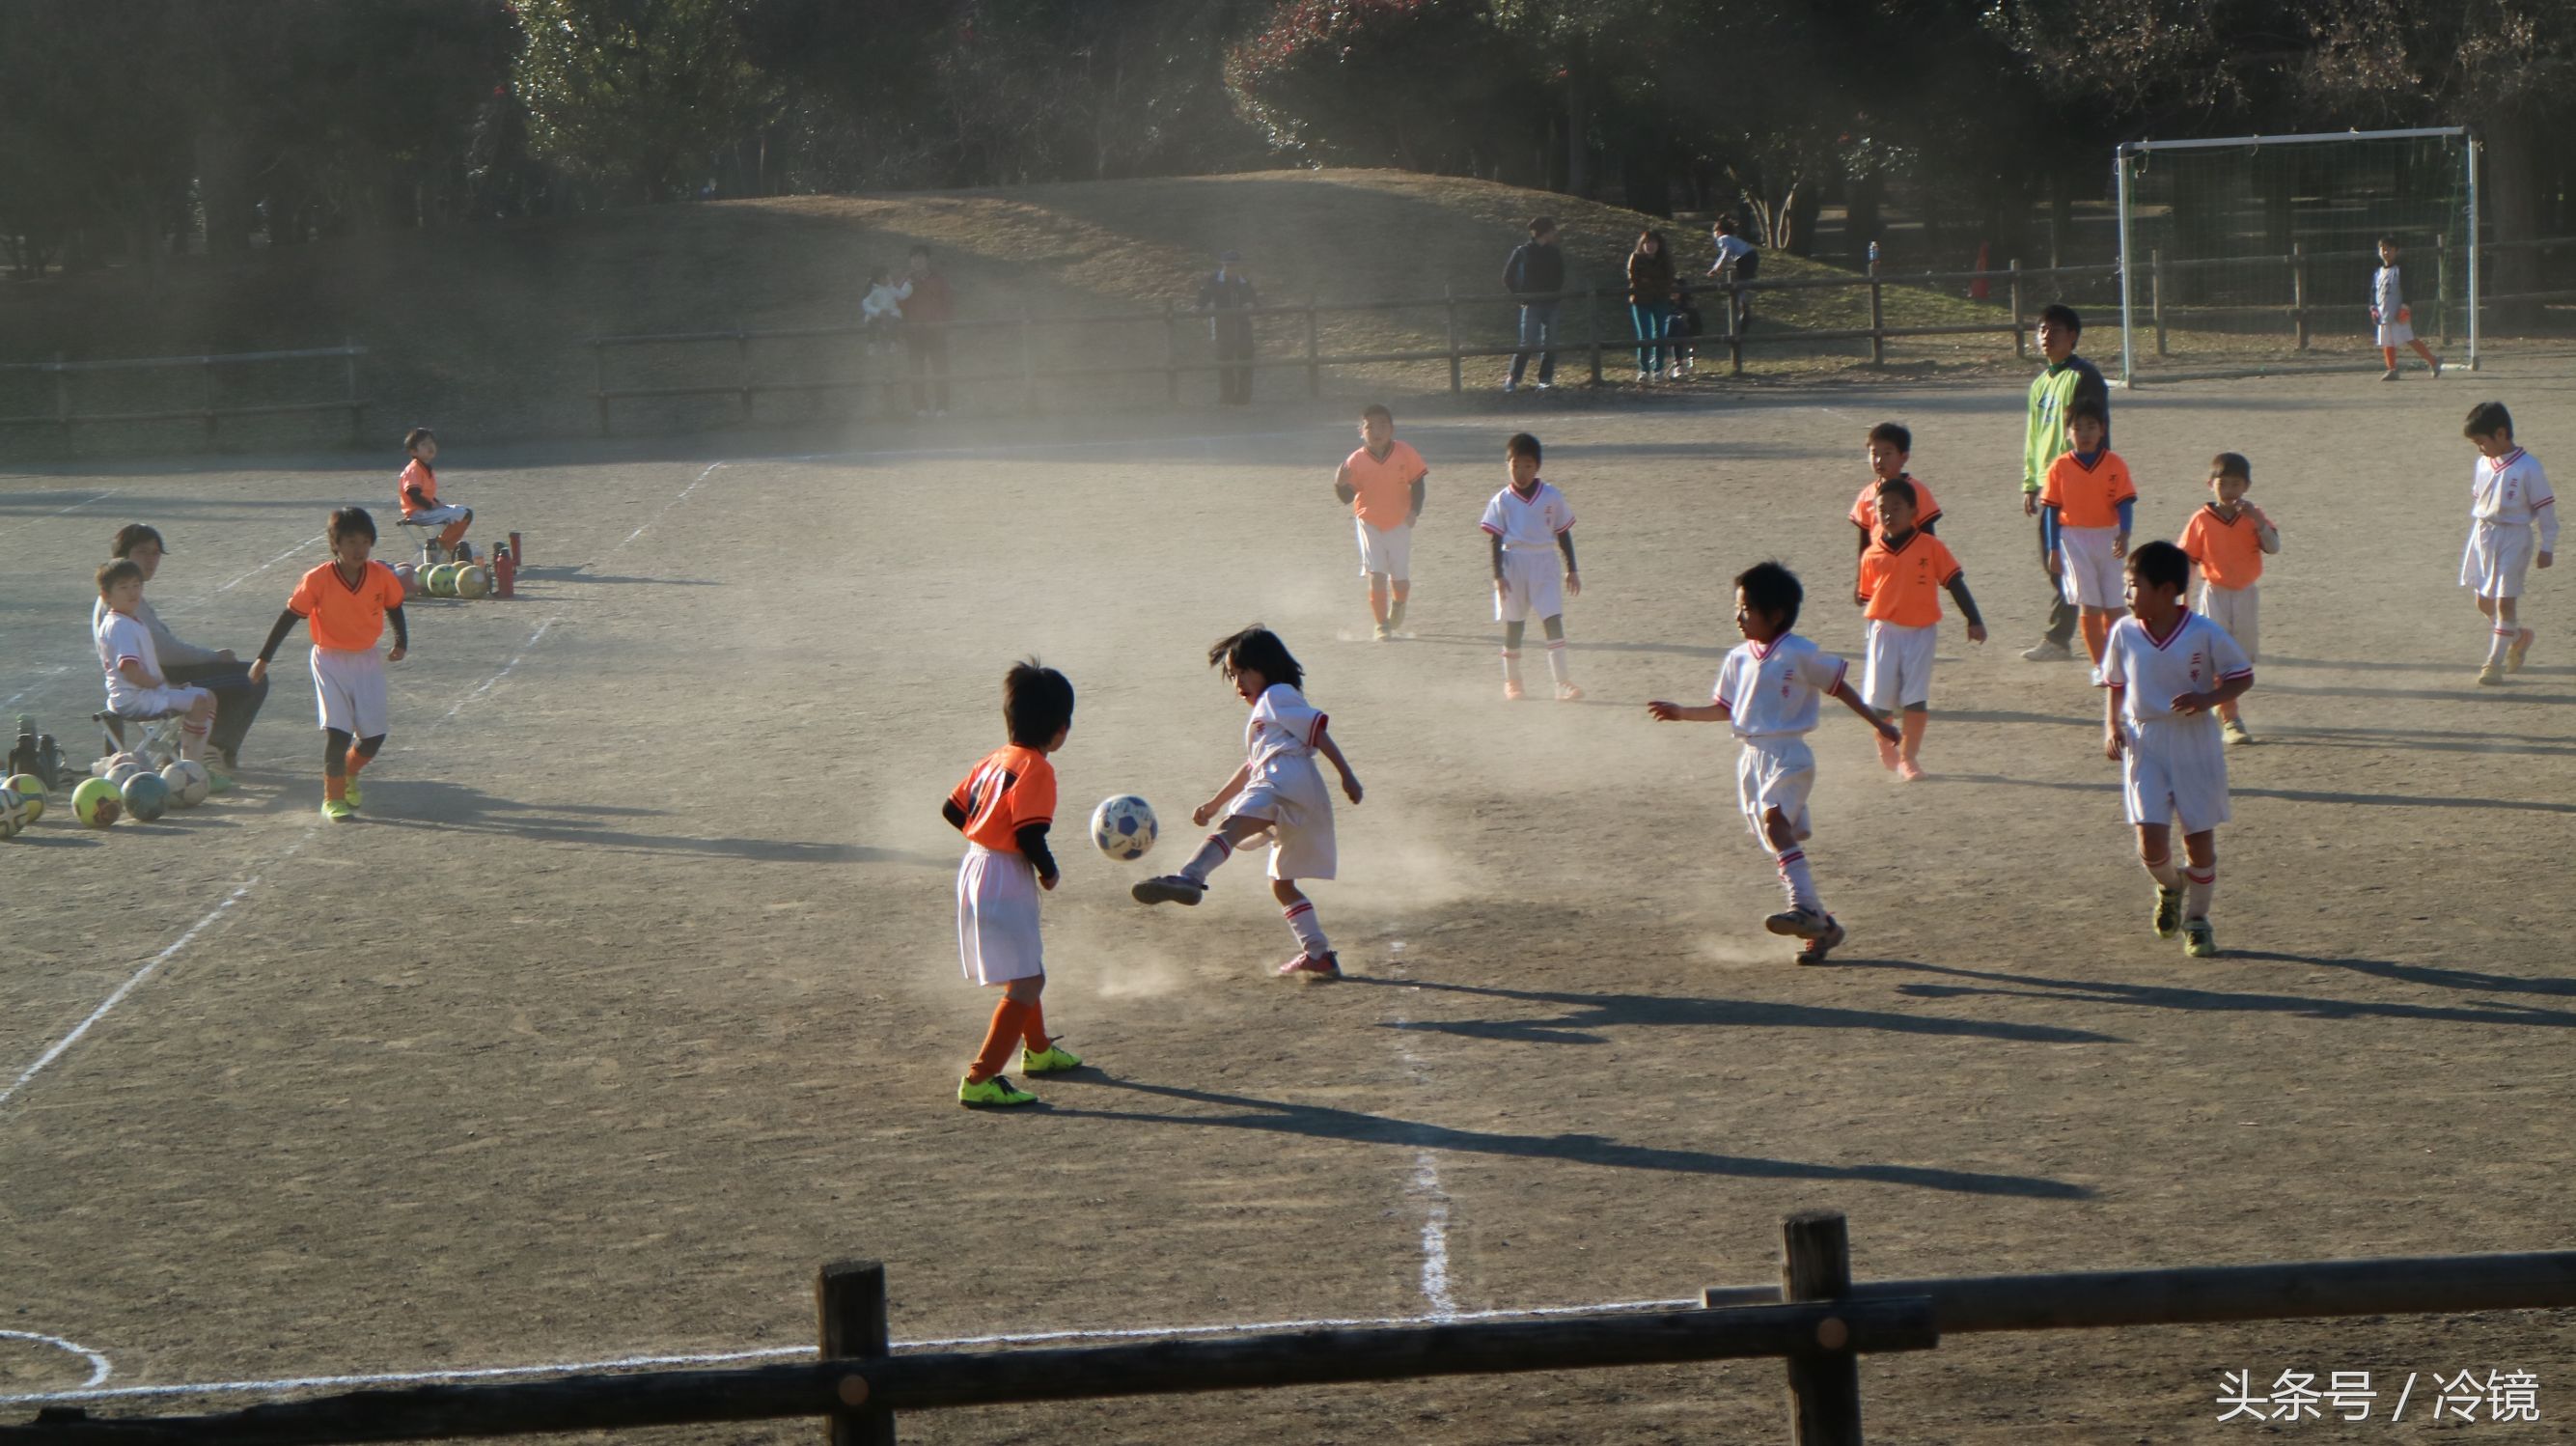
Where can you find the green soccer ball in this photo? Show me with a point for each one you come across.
(474, 581)
(146, 797)
(31, 793)
(97, 803)
(442, 580)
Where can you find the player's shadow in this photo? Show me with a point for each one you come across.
(439, 806)
(2274, 660)
(1587, 1013)
(1322, 1122)
(2465, 693)
(2429, 740)
(1993, 984)
(2297, 795)
(2467, 980)
(1487, 641)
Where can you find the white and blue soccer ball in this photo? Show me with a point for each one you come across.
(1123, 827)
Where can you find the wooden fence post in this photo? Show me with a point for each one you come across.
(742, 357)
(850, 1298)
(1314, 368)
(1824, 1385)
(2021, 347)
(599, 380)
(1171, 352)
(2442, 287)
(1592, 305)
(349, 376)
(1457, 372)
(1877, 321)
(1028, 369)
(2299, 292)
(2156, 295)
(206, 388)
(1734, 327)
(63, 397)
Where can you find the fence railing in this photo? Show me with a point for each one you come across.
(2295, 268)
(209, 406)
(1818, 1320)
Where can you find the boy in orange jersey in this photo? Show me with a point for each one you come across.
(2086, 505)
(1004, 808)
(417, 490)
(1384, 482)
(348, 601)
(2227, 540)
(1901, 577)
(1890, 444)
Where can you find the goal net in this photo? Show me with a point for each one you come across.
(2256, 254)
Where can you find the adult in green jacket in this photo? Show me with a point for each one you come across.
(2068, 379)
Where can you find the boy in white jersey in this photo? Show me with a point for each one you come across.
(136, 686)
(2508, 496)
(1768, 690)
(1530, 522)
(2164, 670)
(1278, 793)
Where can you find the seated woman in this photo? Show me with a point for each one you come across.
(185, 664)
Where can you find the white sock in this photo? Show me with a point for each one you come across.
(2502, 640)
(2198, 885)
(2166, 875)
(1556, 660)
(1511, 665)
(1203, 863)
(192, 741)
(1799, 881)
(1301, 922)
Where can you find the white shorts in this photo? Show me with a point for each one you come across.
(1898, 665)
(2395, 331)
(1532, 586)
(1290, 793)
(997, 917)
(350, 687)
(1775, 773)
(2175, 770)
(153, 702)
(2237, 609)
(1387, 551)
(440, 516)
(2498, 556)
(2088, 575)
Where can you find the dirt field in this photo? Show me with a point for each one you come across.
(634, 995)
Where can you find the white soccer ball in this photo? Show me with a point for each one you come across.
(13, 812)
(120, 768)
(1123, 827)
(188, 781)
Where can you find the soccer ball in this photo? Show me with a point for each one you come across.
(409, 576)
(442, 580)
(121, 767)
(474, 581)
(1123, 827)
(146, 796)
(13, 812)
(189, 783)
(31, 793)
(97, 803)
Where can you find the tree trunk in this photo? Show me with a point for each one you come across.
(224, 187)
(2512, 194)
(1578, 176)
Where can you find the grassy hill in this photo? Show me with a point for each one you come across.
(481, 329)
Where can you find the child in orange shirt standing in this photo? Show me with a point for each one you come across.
(417, 490)
(1890, 444)
(2227, 540)
(1384, 481)
(1901, 577)
(2086, 505)
(1004, 808)
(348, 601)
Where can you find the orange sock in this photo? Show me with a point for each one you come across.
(1912, 725)
(356, 761)
(2388, 354)
(1033, 1027)
(2097, 634)
(998, 1039)
(334, 788)
(455, 531)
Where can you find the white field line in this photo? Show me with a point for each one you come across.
(46, 673)
(98, 1366)
(265, 566)
(283, 1384)
(1425, 1185)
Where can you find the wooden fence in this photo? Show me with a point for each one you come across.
(2293, 271)
(1817, 1320)
(209, 405)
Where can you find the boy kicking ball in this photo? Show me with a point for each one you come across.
(2164, 668)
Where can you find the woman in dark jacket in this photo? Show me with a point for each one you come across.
(1650, 300)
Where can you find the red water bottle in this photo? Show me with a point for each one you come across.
(505, 570)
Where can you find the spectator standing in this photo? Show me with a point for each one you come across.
(2067, 380)
(1650, 300)
(1536, 273)
(927, 306)
(1228, 298)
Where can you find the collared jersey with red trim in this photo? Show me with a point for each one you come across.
(1283, 725)
(2087, 496)
(1864, 508)
(1382, 487)
(1529, 524)
(1903, 583)
(1012, 788)
(2228, 550)
(2193, 658)
(122, 638)
(2512, 491)
(416, 478)
(1774, 689)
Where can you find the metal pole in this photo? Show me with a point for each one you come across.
(1457, 378)
(2021, 348)
(2472, 162)
(2442, 286)
(2128, 331)
(2156, 295)
(2299, 292)
(1877, 321)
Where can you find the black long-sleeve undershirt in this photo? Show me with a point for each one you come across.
(287, 620)
(1958, 586)
(1031, 837)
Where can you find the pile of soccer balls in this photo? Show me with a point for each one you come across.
(129, 788)
(447, 579)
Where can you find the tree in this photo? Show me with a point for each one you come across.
(639, 94)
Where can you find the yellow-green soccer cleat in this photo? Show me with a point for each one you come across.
(1054, 1059)
(357, 797)
(2168, 912)
(2199, 940)
(991, 1093)
(338, 810)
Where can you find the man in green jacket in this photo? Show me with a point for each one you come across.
(2069, 379)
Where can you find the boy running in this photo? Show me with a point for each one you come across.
(2227, 541)
(1767, 691)
(348, 601)
(1901, 578)
(1528, 522)
(1384, 482)
(2508, 497)
(2086, 505)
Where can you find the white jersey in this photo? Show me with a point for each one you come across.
(1528, 524)
(1283, 726)
(122, 638)
(2512, 491)
(1772, 690)
(2195, 657)
(2385, 297)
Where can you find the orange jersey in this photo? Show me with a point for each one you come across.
(416, 478)
(1012, 788)
(2230, 554)
(1864, 513)
(1903, 583)
(1384, 485)
(344, 615)
(2087, 496)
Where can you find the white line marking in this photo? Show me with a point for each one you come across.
(32, 687)
(272, 562)
(1435, 1236)
(666, 508)
(565, 1368)
(99, 1370)
(150, 966)
(490, 682)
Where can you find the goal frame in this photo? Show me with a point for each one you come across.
(2120, 187)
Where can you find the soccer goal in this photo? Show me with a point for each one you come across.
(2255, 254)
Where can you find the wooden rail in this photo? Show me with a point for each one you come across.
(209, 407)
